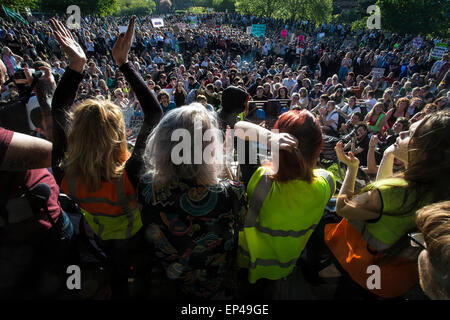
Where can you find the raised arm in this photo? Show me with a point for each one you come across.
(150, 106)
(372, 167)
(366, 206)
(65, 93)
(251, 132)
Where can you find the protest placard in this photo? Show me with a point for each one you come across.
(439, 50)
(284, 33)
(378, 72)
(258, 30)
(158, 23)
(301, 38)
(123, 29)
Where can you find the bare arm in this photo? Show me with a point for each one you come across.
(65, 93)
(366, 206)
(26, 153)
(372, 167)
(251, 132)
(387, 164)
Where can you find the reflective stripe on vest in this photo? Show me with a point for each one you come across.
(377, 234)
(267, 262)
(259, 195)
(330, 180)
(108, 227)
(408, 252)
(373, 242)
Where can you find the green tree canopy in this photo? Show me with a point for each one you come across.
(136, 7)
(95, 7)
(19, 4)
(415, 16)
(317, 11)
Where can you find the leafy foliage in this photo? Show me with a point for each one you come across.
(95, 7)
(136, 7)
(317, 11)
(19, 4)
(415, 16)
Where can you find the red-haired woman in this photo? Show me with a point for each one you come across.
(400, 110)
(287, 196)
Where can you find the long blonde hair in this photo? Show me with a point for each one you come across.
(96, 143)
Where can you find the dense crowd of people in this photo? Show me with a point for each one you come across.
(88, 118)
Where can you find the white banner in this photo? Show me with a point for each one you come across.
(158, 23)
(123, 29)
(439, 50)
(378, 72)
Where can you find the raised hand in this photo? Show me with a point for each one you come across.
(69, 46)
(350, 160)
(284, 141)
(123, 44)
(373, 141)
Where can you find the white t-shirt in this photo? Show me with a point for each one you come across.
(349, 111)
(289, 84)
(370, 103)
(333, 115)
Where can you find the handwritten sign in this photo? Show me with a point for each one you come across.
(258, 30)
(439, 50)
(158, 23)
(378, 72)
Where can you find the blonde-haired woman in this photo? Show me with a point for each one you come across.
(92, 164)
(188, 208)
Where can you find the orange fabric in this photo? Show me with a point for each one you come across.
(107, 190)
(347, 244)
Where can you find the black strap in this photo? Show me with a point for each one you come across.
(231, 277)
(260, 193)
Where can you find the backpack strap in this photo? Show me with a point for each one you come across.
(231, 284)
(259, 195)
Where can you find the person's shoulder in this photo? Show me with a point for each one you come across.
(326, 179)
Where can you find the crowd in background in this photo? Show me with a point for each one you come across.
(378, 101)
